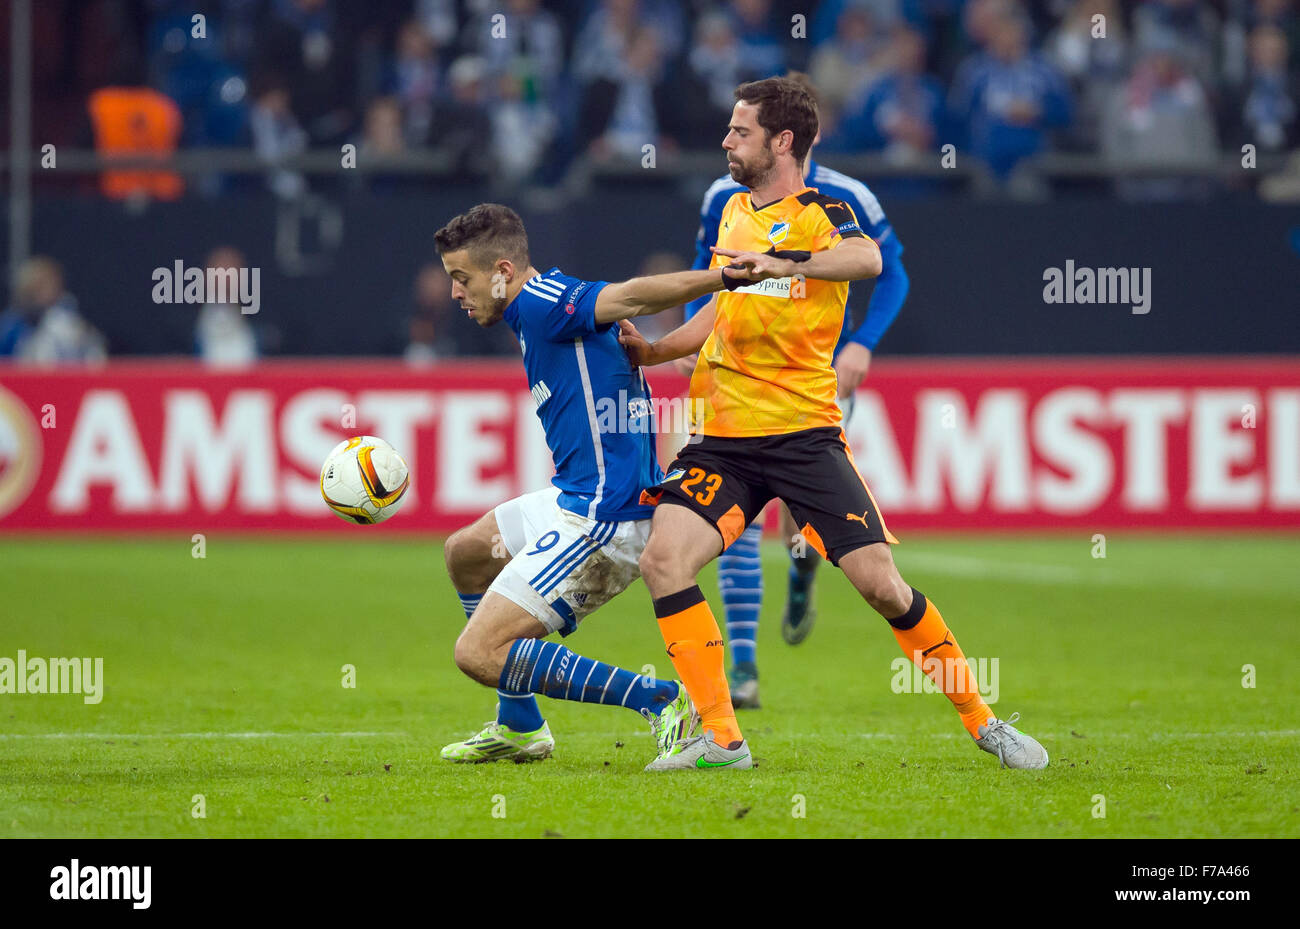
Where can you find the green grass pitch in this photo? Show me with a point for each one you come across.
(224, 679)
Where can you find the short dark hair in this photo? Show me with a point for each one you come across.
(783, 103)
(489, 231)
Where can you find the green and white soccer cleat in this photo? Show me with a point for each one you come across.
(500, 743)
(702, 753)
(1013, 748)
(675, 722)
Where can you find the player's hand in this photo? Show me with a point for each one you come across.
(686, 365)
(639, 350)
(851, 367)
(754, 266)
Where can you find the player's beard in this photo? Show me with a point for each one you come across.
(754, 174)
(498, 312)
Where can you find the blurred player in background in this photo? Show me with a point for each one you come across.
(770, 428)
(540, 563)
(740, 567)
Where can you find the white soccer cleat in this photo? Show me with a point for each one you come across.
(1013, 748)
(500, 743)
(703, 753)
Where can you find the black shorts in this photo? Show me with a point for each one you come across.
(728, 481)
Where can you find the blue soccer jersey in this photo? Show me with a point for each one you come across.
(595, 407)
(891, 286)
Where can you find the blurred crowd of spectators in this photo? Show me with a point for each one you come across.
(518, 88)
(43, 324)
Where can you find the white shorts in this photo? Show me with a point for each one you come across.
(563, 566)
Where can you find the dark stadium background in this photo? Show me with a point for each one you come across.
(323, 142)
(1224, 240)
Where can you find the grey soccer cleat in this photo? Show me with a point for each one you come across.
(743, 684)
(744, 695)
(703, 753)
(1013, 748)
(800, 613)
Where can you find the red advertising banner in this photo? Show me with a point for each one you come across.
(944, 444)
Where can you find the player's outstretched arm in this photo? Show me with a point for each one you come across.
(853, 259)
(642, 296)
(685, 340)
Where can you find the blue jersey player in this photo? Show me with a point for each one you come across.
(740, 574)
(540, 563)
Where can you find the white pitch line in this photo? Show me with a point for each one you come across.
(127, 736)
(1205, 734)
(1031, 573)
(965, 566)
(1103, 737)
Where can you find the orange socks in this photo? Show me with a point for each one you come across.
(928, 641)
(695, 647)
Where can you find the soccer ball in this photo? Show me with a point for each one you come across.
(364, 480)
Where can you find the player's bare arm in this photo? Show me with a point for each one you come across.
(644, 296)
(853, 259)
(686, 339)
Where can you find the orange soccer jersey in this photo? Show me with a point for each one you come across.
(766, 367)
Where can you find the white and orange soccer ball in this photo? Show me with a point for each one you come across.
(364, 480)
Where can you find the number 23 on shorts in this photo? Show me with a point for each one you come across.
(711, 484)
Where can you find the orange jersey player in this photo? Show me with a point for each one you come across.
(766, 366)
(770, 428)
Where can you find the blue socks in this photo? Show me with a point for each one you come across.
(469, 602)
(517, 711)
(740, 577)
(552, 669)
(537, 667)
